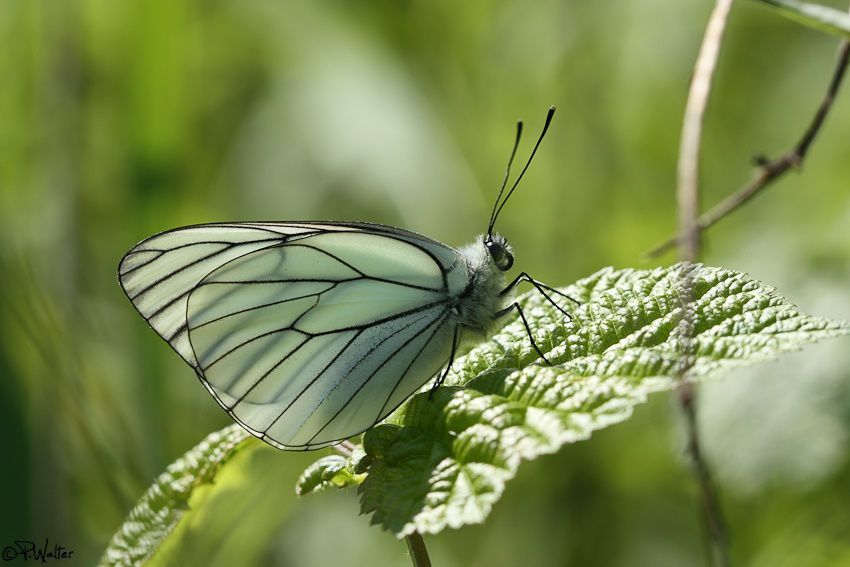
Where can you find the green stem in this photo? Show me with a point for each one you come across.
(418, 552)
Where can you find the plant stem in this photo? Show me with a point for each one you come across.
(417, 549)
(689, 149)
(687, 194)
(771, 170)
(344, 448)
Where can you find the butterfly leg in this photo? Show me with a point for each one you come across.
(442, 378)
(518, 307)
(542, 288)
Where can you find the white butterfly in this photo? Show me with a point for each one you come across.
(308, 333)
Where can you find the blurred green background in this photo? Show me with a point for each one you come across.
(121, 119)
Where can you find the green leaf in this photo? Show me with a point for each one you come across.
(443, 462)
(223, 503)
(164, 503)
(819, 17)
(332, 471)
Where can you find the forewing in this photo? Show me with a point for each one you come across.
(159, 272)
(315, 339)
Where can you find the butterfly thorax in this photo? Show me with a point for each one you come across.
(482, 298)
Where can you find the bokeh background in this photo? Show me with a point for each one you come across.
(121, 119)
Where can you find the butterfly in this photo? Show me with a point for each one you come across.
(308, 333)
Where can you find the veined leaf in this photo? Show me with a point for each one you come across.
(333, 471)
(165, 502)
(444, 462)
(197, 512)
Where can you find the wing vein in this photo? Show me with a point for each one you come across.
(438, 321)
(264, 375)
(261, 306)
(227, 247)
(313, 381)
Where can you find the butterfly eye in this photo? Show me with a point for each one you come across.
(506, 262)
(501, 257)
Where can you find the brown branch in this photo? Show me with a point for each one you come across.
(771, 170)
(717, 539)
(687, 190)
(687, 196)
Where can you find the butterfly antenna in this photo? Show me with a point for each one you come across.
(498, 210)
(505, 180)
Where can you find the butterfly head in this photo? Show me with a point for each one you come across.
(500, 251)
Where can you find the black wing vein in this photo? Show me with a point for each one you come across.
(436, 327)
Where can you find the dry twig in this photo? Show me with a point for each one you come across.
(771, 170)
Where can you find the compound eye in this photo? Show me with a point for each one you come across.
(506, 263)
(501, 257)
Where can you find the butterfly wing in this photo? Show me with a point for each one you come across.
(305, 333)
